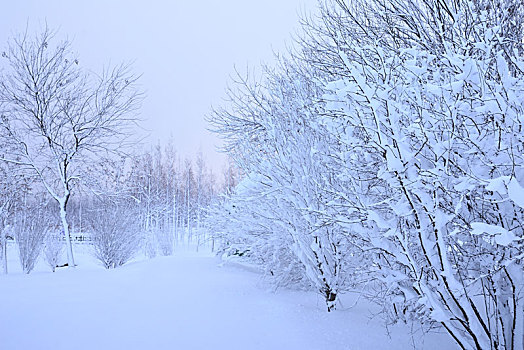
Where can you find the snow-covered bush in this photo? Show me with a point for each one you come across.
(165, 240)
(150, 244)
(30, 230)
(53, 249)
(5, 232)
(245, 229)
(115, 233)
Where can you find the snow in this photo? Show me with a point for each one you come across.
(498, 184)
(516, 192)
(502, 236)
(188, 301)
(509, 185)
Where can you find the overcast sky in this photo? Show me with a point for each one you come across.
(185, 50)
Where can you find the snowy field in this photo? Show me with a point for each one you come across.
(188, 301)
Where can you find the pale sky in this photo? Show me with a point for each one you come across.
(185, 50)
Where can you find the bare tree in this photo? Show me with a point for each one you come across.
(58, 117)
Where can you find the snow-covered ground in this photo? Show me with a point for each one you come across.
(188, 301)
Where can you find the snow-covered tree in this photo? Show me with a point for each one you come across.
(439, 119)
(57, 117)
(394, 134)
(272, 130)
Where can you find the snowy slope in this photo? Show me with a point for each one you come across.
(182, 302)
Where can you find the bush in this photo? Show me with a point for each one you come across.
(53, 248)
(30, 232)
(115, 233)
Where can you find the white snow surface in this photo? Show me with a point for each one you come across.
(187, 301)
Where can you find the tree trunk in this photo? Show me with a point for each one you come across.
(175, 236)
(4, 250)
(65, 227)
(331, 300)
(188, 213)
